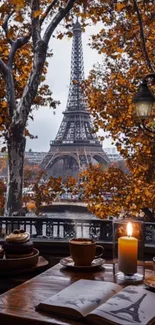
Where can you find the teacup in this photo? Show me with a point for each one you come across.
(83, 251)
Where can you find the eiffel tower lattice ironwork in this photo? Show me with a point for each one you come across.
(131, 310)
(75, 145)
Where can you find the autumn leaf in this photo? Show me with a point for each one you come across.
(75, 82)
(18, 3)
(69, 34)
(119, 6)
(3, 149)
(60, 36)
(37, 13)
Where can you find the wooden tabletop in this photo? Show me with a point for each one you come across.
(17, 306)
(11, 278)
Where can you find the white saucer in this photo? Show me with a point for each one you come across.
(68, 262)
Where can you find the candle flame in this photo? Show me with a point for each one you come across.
(129, 229)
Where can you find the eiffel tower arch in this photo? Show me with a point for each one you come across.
(75, 145)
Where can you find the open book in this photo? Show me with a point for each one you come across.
(99, 301)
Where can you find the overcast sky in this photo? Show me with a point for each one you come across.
(46, 124)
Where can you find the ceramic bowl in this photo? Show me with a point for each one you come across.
(18, 263)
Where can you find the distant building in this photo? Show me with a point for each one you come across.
(113, 154)
(35, 157)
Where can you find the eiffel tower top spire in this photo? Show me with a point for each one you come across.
(76, 97)
(77, 25)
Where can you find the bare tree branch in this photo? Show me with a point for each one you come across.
(8, 77)
(149, 64)
(3, 68)
(57, 19)
(48, 9)
(33, 82)
(10, 94)
(35, 22)
(15, 46)
(5, 26)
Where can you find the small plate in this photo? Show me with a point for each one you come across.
(150, 281)
(18, 263)
(68, 262)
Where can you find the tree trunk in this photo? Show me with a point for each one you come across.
(16, 149)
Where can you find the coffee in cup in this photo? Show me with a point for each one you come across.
(83, 251)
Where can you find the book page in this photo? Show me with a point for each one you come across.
(133, 305)
(82, 296)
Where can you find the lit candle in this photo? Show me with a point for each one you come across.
(127, 252)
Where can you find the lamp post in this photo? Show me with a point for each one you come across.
(144, 99)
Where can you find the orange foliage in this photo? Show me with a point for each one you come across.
(108, 191)
(70, 185)
(42, 192)
(26, 30)
(128, 43)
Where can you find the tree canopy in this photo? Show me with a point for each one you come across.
(26, 30)
(126, 42)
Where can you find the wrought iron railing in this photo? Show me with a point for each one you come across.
(65, 228)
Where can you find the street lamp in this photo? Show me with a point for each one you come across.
(144, 99)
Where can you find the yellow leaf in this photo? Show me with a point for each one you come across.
(119, 6)
(19, 3)
(36, 13)
(136, 190)
(120, 50)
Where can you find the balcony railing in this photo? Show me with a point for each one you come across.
(49, 228)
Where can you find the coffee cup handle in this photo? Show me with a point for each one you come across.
(99, 246)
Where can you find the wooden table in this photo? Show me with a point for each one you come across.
(17, 306)
(11, 278)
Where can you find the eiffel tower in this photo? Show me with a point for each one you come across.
(75, 145)
(131, 310)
